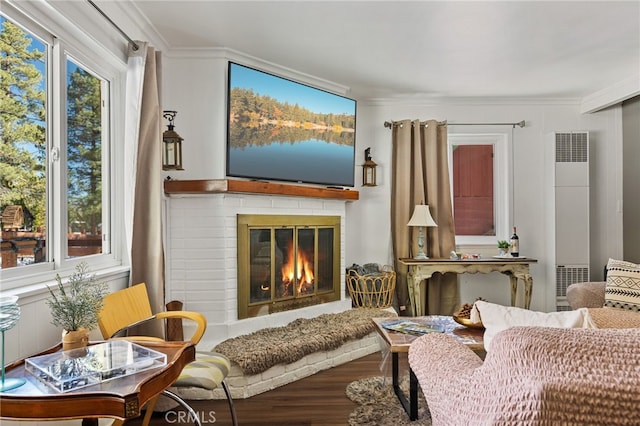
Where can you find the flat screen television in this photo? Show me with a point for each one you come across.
(281, 130)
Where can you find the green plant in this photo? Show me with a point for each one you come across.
(503, 244)
(77, 305)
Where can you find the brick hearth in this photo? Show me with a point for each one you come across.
(245, 386)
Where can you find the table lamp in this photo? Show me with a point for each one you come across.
(9, 315)
(421, 218)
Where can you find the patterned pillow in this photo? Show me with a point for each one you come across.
(623, 285)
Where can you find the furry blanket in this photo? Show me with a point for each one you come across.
(257, 352)
(378, 405)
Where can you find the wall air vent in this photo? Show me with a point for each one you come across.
(567, 275)
(572, 147)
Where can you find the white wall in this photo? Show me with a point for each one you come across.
(631, 179)
(194, 84)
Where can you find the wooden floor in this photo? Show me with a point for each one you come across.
(316, 400)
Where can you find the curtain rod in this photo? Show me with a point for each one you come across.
(390, 124)
(129, 39)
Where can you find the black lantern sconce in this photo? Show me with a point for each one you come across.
(171, 145)
(368, 169)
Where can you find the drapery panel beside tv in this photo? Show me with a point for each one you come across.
(282, 130)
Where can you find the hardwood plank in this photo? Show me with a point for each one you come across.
(318, 400)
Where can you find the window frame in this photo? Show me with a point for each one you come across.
(502, 183)
(67, 42)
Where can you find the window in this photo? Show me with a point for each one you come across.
(85, 98)
(55, 153)
(473, 190)
(480, 186)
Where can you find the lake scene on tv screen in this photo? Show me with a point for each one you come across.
(282, 130)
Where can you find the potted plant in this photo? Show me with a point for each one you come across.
(503, 247)
(75, 307)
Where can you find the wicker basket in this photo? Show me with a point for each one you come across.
(371, 290)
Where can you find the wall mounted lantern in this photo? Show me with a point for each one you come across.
(368, 169)
(171, 145)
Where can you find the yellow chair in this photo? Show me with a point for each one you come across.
(129, 308)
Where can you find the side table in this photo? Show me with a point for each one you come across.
(399, 343)
(120, 399)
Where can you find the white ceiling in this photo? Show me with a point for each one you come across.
(387, 49)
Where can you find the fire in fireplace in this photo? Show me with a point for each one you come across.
(298, 272)
(287, 262)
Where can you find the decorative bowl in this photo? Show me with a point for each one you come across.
(467, 322)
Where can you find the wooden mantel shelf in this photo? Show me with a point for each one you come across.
(217, 186)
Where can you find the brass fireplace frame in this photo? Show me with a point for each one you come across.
(247, 222)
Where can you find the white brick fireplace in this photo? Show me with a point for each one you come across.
(201, 257)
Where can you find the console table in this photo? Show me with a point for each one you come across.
(515, 268)
(120, 399)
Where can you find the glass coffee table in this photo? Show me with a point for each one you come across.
(399, 342)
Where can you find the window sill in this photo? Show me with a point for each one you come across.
(40, 290)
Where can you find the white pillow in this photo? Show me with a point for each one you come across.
(496, 318)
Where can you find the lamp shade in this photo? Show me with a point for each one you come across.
(421, 217)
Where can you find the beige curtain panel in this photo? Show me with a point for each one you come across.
(421, 176)
(147, 252)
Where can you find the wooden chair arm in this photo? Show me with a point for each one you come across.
(135, 324)
(196, 317)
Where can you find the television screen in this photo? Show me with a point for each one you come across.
(282, 130)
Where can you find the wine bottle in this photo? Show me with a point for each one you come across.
(515, 244)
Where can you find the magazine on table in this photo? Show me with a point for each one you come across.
(411, 327)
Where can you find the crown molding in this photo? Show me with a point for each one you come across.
(133, 22)
(426, 101)
(615, 94)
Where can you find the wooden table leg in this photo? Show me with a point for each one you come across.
(413, 301)
(514, 288)
(528, 289)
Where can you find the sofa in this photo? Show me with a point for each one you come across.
(578, 367)
(591, 295)
(586, 295)
(532, 376)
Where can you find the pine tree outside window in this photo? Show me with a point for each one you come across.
(54, 153)
(84, 161)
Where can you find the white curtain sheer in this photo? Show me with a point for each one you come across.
(143, 174)
(133, 98)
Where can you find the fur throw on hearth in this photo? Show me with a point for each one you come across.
(257, 352)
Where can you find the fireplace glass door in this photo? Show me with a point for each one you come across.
(288, 265)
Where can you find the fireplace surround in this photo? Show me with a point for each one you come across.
(286, 262)
(202, 253)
